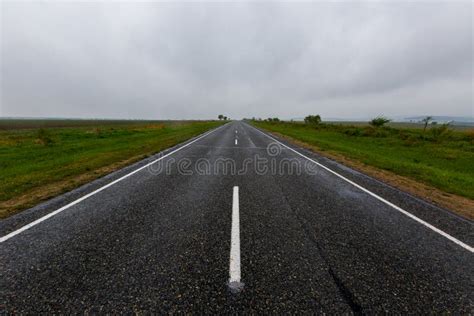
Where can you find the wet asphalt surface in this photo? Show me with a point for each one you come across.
(159, 240)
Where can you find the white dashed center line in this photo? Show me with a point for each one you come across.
(234, 266)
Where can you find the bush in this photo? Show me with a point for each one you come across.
(98, 132)
(470, 135)
(403, 136)
(440, 132)
(379, 121)
(370, 131)
(353, 131)
(411, 141)
(312, 119)
(44, 138)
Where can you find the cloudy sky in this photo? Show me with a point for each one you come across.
(196, 60)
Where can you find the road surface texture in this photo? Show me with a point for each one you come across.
(304, 239)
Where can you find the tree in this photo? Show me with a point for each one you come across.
(313, 119)
(379, 121)
(225, 118)
(220, 117)
(426, 121)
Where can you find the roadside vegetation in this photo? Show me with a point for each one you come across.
(38, 163)
(434, 154)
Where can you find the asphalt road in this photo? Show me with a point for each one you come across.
(159, 240)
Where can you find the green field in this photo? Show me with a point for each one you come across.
(38, 163)
(443, 159)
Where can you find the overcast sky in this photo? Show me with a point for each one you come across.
(197, 60)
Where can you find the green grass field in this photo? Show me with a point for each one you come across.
(37, 164)
(443, 159)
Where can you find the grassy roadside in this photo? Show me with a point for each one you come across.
(435, 167)
(37, 164)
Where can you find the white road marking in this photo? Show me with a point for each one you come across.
(236, 141)
(234, 262)
(236, 131)
(419, 220)
(41, 219)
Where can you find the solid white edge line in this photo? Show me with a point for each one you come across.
(41, 219)
(437, 230)
(234, 261)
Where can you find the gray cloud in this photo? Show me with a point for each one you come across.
(196, 60)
